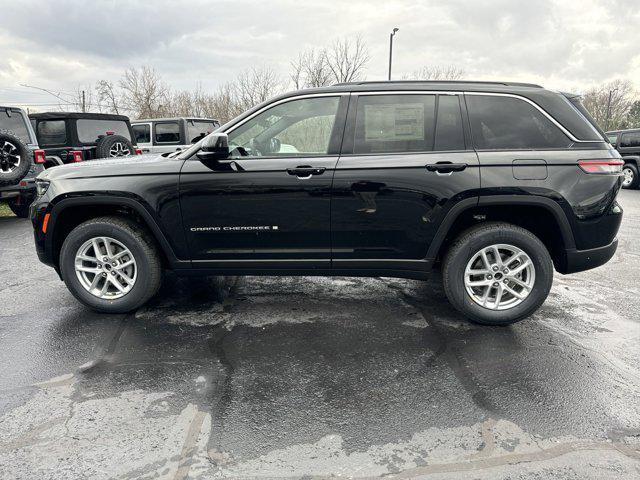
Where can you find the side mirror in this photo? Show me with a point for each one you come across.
(214, 147)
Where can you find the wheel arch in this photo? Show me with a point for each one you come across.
(515, 209)
(71, 212)
(634, 159)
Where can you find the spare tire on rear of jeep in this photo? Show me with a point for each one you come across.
(113, 146)
(15, 158)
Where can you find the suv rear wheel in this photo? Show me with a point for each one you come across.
(630, 178)
(497, 273)
(111, 264)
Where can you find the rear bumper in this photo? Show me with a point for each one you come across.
(580, 260)
(26, 186)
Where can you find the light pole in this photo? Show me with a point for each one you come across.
(391, 48)
(611, 92)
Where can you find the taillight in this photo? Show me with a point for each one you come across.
(138, 151)
(110, 132)
(601, 167)
(39, 156)
(77, 155)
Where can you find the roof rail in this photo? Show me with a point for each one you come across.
(456, 82)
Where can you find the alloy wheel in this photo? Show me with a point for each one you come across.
(499, 277)
(119, 149)
(627, 177)
(9, 157)
(106, 268)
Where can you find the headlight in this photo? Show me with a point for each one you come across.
(42, 186)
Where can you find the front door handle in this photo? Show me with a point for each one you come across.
(305, 172)
(446, 167)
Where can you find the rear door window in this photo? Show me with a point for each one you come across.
(197, 130)
(52, 132)
(89, 130)
(507, 123)
(408, 123)
(167, 132)
(394, 123)
(630, 139)
(613, 138)
(15, 121)
(142, 132)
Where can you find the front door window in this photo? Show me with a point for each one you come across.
(297, 128)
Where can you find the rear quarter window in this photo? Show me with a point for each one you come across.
(142, 133)
(89, 130)
(52, 132)
(508, 123)
(197, 130)
(15, 121)
(167, 132)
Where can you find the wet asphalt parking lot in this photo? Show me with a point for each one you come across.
(315, 377)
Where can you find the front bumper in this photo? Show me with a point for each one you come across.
(580, 260)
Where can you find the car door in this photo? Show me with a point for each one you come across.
(629, 143)
(142, 133)
(268, 205)
(166, 137)
(406, 161)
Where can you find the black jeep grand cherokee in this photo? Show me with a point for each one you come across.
(496, 183)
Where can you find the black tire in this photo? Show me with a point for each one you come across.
(20, 206)
(15, 159)
(141, 244)
(472, 241)
(633, 171)
(108, 145)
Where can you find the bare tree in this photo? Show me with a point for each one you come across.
(347, 59)
(436, 72)
(311, 69)
(255, 85)
(144, 92)
(108, 97)
(610, 103)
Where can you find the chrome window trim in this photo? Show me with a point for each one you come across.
(279, 102)
(404, 92)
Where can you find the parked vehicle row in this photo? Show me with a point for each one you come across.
(30, 144)
(497, 184)
(163, 135)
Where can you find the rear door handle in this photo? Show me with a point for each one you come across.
(305, 172)
(446, 167)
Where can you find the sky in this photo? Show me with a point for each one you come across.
(62, 45)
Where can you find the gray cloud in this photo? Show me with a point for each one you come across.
(565, 44)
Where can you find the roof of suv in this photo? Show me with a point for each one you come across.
(623, 131)
(169, 119)
(434, 83)
(90, 116)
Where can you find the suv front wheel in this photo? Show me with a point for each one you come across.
(497, 273)
(111, 264)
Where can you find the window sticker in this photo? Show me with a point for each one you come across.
(394, 122)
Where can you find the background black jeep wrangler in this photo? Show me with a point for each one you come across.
(73, 137)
